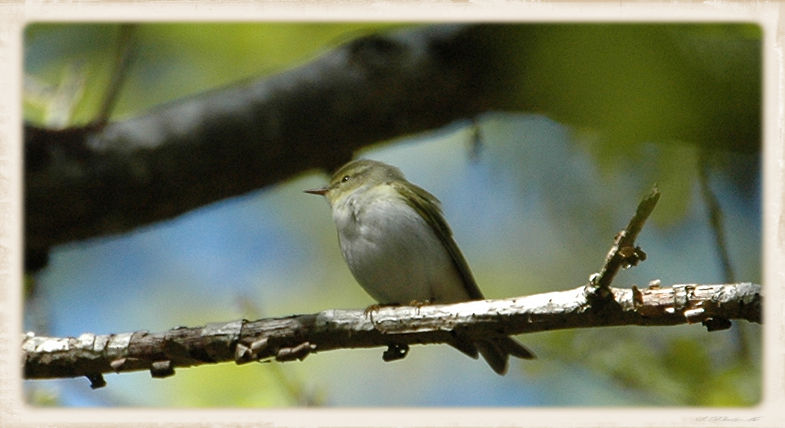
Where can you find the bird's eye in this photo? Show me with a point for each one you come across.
(345, 179)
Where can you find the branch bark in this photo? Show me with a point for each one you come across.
(294, 337)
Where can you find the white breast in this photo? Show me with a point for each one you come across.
(392, 252)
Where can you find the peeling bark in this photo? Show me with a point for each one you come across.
(297, 336)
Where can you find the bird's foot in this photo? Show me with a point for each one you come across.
(376, 306)
(419, 303)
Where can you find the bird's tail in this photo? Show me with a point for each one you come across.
(497, 351)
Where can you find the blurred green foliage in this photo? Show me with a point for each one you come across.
(170, 60)
(639, 82)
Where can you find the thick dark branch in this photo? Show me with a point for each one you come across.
(294, 337)
(92, 181)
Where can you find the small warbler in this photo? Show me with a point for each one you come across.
(400, 249)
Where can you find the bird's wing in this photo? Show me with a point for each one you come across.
(420, 200)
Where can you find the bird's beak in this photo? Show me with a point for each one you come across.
(319, 191)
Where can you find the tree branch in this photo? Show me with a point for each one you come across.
(294, 337)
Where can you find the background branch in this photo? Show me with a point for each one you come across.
(294, 337)
(95, 181)
(716, 221)
(122, 62)
(715, 217)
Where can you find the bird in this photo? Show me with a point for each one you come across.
(400, 249)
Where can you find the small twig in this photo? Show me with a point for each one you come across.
(715, 217)
(624, 253)
(123, 57)
(69, 91)
(475, 139)
(714, 212)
